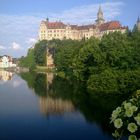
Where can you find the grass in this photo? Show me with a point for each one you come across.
(44, 69)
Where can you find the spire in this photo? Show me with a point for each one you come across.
(100, 18)
(138, 24)
(138, 19)
(100, 10)
(47, 19)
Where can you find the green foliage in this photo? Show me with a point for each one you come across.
(114, 81)
(117, 50)
(108, 65)
(29, 60)
(64, 54)
(40, 84)
(88, 60)
(126, 118)
(40, 52)
(30, 78)
(105, 82)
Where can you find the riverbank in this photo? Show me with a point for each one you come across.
(16, 69)
(44, 69)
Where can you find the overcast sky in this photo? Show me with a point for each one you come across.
(20, 19)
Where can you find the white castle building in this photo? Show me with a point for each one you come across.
(58, 30)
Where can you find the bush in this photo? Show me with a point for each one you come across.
(126, 118)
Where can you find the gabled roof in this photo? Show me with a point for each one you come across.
(74, 27)
(86, 27)
(110, 26)
(55, 25)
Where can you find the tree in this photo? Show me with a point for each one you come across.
(29, 60)
(88, 60)
(40, 52)
(64, 55)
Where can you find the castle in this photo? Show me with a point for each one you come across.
(58, 30)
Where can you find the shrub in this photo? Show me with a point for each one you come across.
(126, 118)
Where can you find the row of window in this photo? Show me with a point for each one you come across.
(50, 35)
(42, 31)
(58, 31)
(50, 31)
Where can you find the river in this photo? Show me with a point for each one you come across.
(43, 106)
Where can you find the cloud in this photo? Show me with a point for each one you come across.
(32, 40)
(88, 13)
(24, 28)
(16, 46)
(2, 47)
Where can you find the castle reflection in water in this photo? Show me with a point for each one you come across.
(5, 75)
(49, 91)
(50, 105)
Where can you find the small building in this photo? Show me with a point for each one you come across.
(6, 62)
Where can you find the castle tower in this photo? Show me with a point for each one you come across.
(138, 24)
(100, 18)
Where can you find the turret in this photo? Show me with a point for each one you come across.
(138, 24)
(47, 19)
(100, 18)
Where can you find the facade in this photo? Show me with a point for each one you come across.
(6, 62)
(58, 30)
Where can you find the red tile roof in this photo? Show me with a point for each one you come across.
(55, 25)
(74, 27)
(86, 27)
(110, 26)
(103, 27)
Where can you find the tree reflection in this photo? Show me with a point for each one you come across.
(57, 96)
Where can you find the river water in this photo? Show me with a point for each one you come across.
(44, 107)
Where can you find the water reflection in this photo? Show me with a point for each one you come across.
(5, 75)
(50, 106)
(57, 96)
(51, 101)
(44, 106)
(49, 79)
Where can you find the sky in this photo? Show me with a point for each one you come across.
(20, 19)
